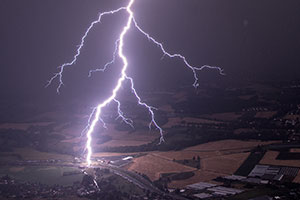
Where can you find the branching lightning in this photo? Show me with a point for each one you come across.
(59, 74)
(95, 116)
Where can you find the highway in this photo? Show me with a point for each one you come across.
(138, 180)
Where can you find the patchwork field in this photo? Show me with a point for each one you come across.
(216, 159)
(117, 138)
(153, 166)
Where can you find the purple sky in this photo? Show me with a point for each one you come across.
(250, 39)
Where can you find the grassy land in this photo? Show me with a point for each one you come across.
(153, 166)
(199, 175)
(45, 175)
(224, 145)
(226, 164)
(32, 154)
(122, 185)
(191, 163)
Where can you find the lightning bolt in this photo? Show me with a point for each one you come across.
(95, 116)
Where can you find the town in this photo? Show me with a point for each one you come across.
(221, 143)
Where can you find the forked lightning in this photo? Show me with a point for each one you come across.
(96, 114)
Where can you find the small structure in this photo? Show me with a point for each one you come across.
(224, 191)
(274, 173)
(202, 195)
(235, 177)
(200, 186)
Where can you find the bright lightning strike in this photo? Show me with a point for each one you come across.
(96, 113)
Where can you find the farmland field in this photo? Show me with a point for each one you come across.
(119, 143)
(225, 145)
(31, 154)
(270, 159)
(153, 166)
(45, 175)
(181, 155)
(225, 164)
(200, 175)
(216, 159)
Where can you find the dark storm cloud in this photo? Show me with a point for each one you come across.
(249, 39)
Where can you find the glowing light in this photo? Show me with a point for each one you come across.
(116, 89)
(96, 113)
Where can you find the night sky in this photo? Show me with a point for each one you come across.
(249, 39)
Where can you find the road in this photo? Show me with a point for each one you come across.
(138, 180)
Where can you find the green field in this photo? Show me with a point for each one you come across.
(44, 175)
